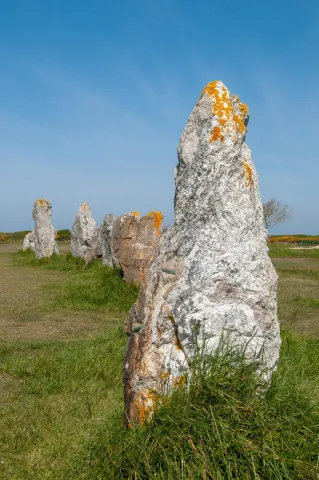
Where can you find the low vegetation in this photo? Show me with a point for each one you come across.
(61, 396)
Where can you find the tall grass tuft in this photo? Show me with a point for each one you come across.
(219, 428)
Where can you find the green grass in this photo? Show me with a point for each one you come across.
(54, 395)
(310, 302)
(283, 250)
(219, 428)
(90, 287)
(61, 401)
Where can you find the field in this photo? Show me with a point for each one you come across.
(61, 408)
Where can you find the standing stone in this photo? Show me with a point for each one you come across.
(95, 250)
(134, 241)
(84, 232)
(108, 255)
(28, 241)
(44, 233)
(212, 277)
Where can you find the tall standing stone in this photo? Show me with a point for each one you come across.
(212, 277)
(108, 255)
(44, 233)
(134, 242)
(28, 242)
(83, 233)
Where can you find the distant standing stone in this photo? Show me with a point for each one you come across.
(44, 233)
(84, 233)
(134, 241)
(95, 249)
(28, 241)
(212, 277)
(108, 255)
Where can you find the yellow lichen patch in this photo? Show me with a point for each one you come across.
(179, 381)
(164, 376)
(135, 214)
(84, 206)
(228, 111)
(145, 405)
(40, 202)
(215, 134)
(240, 124)
(157, 220)
(248, 174)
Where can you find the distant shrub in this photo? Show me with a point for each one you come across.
(63, 235)
(17, 235)
(302, 239)
(4, 238)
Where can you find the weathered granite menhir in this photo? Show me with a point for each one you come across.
(108, 255)
(28, 242)
(212, 273)
(85, 235)
(134, 243)
(44, 233)
(130, 242)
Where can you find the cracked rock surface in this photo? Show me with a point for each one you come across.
(44, 233)
(212, 276)
(84, 232)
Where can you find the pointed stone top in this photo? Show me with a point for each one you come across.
(135, 214)
(230, 114)
(85, 209)
(42, 207)
(41, 202)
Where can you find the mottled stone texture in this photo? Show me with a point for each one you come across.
(108, 255)
(212, 277)
(95, 249)
(44, 233)
(83, 233)
(28, 241)
(134, 241)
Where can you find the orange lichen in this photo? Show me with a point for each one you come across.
(144, 404)
(84, 206)
(248, 174)
(215, 134)
(135, 214)
(240, 124)
(157, 220)
(229, 112)
(179, 381)
(164, 376)
(40, 201)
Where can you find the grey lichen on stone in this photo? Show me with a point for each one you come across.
(44, 233)
(224, 285)
(83, 233)
(28, 242)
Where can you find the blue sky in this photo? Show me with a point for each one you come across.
(95, 95)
